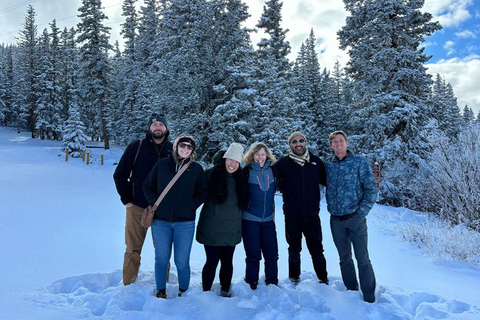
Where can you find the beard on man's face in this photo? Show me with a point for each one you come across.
(158, 134)
(300, 151)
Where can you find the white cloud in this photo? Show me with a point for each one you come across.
(463, 75)
(448, 46)
(465, 34)
(326, 17)
(449, 13)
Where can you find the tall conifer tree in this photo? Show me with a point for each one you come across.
(390, 82)
(27, 95)
(93, 38)
(273, 82)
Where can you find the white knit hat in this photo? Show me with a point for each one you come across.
(234, 152)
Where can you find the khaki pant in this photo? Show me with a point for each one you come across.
(134, 238)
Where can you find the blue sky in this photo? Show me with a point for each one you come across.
(455, 49)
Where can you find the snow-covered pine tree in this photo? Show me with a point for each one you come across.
(278, 115)
(186, 63)
(9, 113)
(302, 92)
(59, 112)
(93, 38)
(145, 72)
(44, 87)
(128, 125)
(148, 24)
(390, 83)
(69, 67)
(26, 95)
(3, 91)
(74, 137)
(117, 116)
(49, 109)
(329, 111)
(445, 109)
(335, 110)
(234, 98)
(468, 116)
(307, 83)
(453, 116)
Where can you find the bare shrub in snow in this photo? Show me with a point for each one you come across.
(438, 238)
(449, 183)
(442, 241)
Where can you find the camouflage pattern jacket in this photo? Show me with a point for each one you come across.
(351, 186)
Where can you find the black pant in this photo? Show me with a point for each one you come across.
(309, 226)
(214, 255)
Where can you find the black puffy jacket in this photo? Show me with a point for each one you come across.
(300, 186)
(185, 196)
(130, 173)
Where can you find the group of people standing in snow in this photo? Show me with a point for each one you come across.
(238, 204)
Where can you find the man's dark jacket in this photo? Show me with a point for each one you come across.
(185, 196)
(130, 187)
(300, 186)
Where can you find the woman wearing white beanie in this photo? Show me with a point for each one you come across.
(220, 225)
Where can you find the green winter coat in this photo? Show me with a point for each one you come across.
(221, 224)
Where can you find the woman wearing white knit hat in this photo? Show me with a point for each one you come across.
(220, 224)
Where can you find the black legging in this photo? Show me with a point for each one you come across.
(214, 255)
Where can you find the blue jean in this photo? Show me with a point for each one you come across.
(180, 235)
(260, 238)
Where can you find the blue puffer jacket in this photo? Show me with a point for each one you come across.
(351, 186)
(261, 192)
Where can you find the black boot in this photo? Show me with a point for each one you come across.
(181, 291)
(161, 294)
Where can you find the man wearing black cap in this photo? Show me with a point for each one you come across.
(137, 160)
(300, 175)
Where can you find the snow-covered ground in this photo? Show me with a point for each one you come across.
(62, 245)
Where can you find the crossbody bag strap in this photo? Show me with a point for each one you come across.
(138, 151)
(171, 183)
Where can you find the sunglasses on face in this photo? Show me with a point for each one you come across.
(297, 141)
(185, 145)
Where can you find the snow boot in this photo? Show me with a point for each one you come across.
(181, 291)
(161, 294)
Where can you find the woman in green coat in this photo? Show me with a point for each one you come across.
(220, 225)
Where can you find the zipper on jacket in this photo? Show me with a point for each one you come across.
(303, 187)
(264, 195)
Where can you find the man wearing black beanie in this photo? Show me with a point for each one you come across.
(133, 168)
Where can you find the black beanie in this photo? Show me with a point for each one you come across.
(186, 139)
(157, 117)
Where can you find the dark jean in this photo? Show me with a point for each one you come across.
(224, 254)
(346, 233)
(260, 238)
(310, 227)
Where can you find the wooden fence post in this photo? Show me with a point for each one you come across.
(88, 158)
(83, 156)
(101, 159)
(376, 173)
(66, 154)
